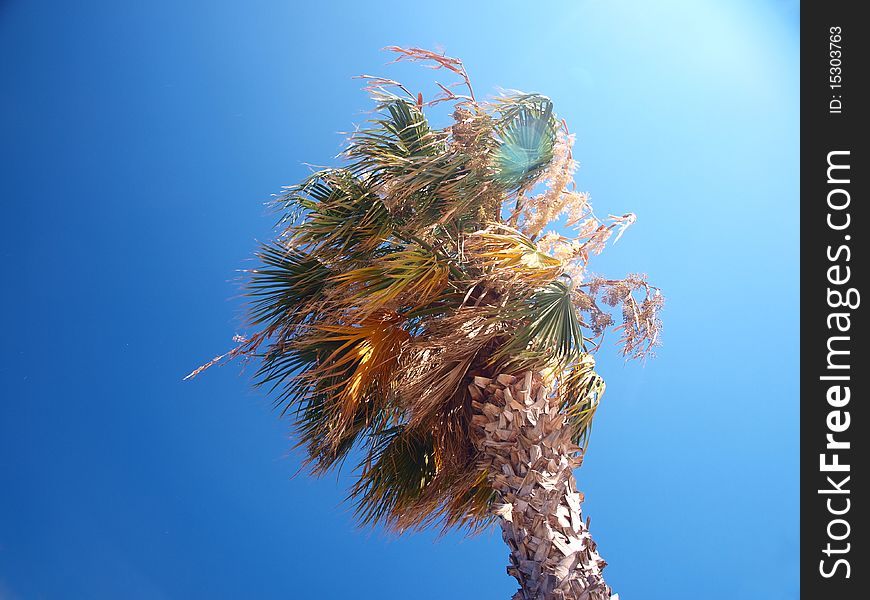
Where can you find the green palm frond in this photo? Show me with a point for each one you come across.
(580, 392)
(527, 136)
(423, 179)
(342, 217)
(281, 287)
(324, 449)
(387, 145)
(281, 363)
(337, 379)
(397, 469)
(549, 331)
(405, 483)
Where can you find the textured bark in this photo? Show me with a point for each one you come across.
(522, 439)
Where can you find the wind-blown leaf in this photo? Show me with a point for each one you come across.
(287, 281)
(421, 178)
(527, 133)
(509, 254)
(338, 378)
(580, 389)
(343, 218)
(550, 331)
(400, 465)
(388, 145)
(405, 278)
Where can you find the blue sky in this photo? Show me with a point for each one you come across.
(139, 142)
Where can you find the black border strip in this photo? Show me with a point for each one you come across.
(834, 227)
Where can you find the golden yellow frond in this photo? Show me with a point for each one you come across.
(507, 252)
(363, 364)
(408, 278)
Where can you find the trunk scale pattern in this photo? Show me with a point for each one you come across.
(522, 440)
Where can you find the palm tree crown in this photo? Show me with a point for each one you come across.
(420, 267)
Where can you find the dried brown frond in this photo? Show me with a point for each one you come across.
(438, 361)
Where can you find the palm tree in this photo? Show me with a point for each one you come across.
(411, 310)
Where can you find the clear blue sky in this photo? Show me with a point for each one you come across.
(139, 141)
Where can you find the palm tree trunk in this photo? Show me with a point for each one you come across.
(522, 441)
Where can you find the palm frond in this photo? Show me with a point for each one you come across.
(363, 361)
(280, 288)
(580, 389)
(398, 467)
(404, 484)
(509, 255)
(436, 366)
(407, 278)
(550, 329)
(342, 217)
(527, 136)
(386, 146)
(339, 378)
(422, 178)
